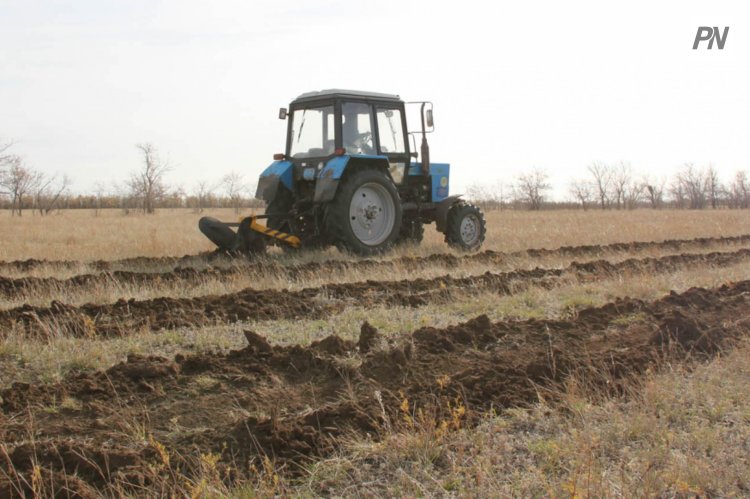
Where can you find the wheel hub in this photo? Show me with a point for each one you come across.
(469, 229)
(372, 213)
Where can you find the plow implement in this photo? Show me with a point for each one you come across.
(250, 237)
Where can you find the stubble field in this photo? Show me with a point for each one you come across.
(579, 353)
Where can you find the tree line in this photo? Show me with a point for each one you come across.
(146, 190)
(617, 186)
(605, 186)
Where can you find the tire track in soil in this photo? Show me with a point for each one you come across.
(125, 316)
(293, 403)
(221, 265)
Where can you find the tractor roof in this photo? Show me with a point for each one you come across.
(339, 93)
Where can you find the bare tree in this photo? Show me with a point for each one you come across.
(147, 184)
(234, 186)
(202, 192)
(621, 177)
(582, 192)
(739, 191)
(713, 187)
(174, 198)
(17, 182)
(488, 197)
(530, 188)
(48, 192)
(654, 190)
(602, 179)
(7, 162)
(634, 193)
(677, 192)
(626, 192)
(4, 146)
(692, 184)
(100, 191)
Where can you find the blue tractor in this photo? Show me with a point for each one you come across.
(350, 177)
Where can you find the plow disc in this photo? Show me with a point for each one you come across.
(218, 233)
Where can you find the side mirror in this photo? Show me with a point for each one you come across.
(430, 123)
(282, 113)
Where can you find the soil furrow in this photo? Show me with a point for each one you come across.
(123, 317)
(150, 421)
(194, 266)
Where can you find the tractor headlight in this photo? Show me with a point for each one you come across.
(397, 172)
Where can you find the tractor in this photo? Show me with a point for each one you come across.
(351, 177)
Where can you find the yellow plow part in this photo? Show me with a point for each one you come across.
(289, 239)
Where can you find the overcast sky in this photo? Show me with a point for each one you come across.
(516, 85)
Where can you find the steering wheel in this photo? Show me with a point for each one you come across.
(363, 142)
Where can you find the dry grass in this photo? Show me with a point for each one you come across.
(79, 235)
(677, 432)
(682, 433)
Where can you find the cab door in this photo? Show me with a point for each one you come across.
(392, 143)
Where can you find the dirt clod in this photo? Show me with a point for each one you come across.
(293, 403)
(256, 343)
(368, 337)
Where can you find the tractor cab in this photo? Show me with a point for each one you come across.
(331, 123)
(359, 122)
(347, 177)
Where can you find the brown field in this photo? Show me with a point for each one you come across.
(578, 354)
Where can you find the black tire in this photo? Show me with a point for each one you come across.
(218, 233)
(376, 222)
(279, 207)
(412, 231)
(465, 227)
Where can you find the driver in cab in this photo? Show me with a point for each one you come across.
(357, 140)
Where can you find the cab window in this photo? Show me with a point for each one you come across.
(390, 131)
(356, 127)
(312, 132)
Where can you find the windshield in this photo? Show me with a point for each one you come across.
(312, 132)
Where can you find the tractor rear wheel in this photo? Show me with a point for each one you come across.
(365, 216)
(465, 227)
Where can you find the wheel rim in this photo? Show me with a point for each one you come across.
(469, 229)
(372, 213)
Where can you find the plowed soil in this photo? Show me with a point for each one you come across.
(192, 267)
(124, 317)
(135, 423)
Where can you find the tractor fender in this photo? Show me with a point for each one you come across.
(441, 213)
(333, 171)
(278, 172)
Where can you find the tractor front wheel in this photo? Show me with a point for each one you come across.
(465, 227)
(365, 216)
